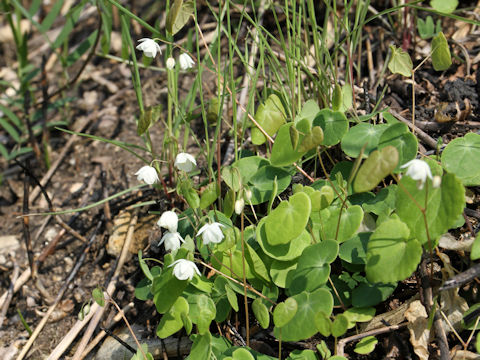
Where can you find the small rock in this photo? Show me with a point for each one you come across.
(8, 244)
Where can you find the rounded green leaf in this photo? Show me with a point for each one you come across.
(97, 295)
(171, 322)
(461, 158)
(284, 152)
(441, 58)
(444, 206)
(270, 116)
(209, 195)
(202, 311)
(242, 354)
(398, 136)
(302, 327)
(288, 220)
(232, 177)
(357, 314)
(261, 313)
(380, 163)
(392, 255)
(475, 252)
(284, 312)
(350, 220)
(366, 294)
(354, 250)
(309, 110)
(334, 125)
(262, 183)
(400, 62)
(311, 140)
(179, 15)
(248, 166)
(279, 271)
(360, 135)
(285, 252)
(313, 267)
(339, 325)
(232, 297)
(366, 345)
(323, 324)
(444, 6)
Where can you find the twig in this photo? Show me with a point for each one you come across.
(110, 289)
(25, 221)
(6, 304)
(341, 343)
(70, 277)
(102, 333)
(420, 133)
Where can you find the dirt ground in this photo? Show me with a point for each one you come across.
(447, 106)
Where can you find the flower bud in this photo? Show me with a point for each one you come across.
(239, 204)
(170, 63)
(437, 181)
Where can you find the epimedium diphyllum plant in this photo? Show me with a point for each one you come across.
(266, 246)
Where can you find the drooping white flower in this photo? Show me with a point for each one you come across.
(169, 221)
(147, 174)
(184, 269)
(186, 62)
(170, 63)
(149, 47)
(239, 204)
(418, 170)
(211, 233)
(172, 241)
(185, 162)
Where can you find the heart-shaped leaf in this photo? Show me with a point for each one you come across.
(288, 220)
(179, 15)
(270, 116)
(350, 221)
(380, 163)
(323, 324)
(461, 158)
(283, 151)
(284, 312)
(171, 322)
(398, 136)
(400, 62)
(261, 313)
(392, 254)
(301, 326)
(366, 345)
(311, 140)
(334, 125)
(202, 311)
(360, 135)
(444, 6)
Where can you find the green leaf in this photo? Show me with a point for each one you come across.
(398, 136)
(262, 183)
(441, 58)
(350, 221)
(166, 288)
(232, 177)
(144, 266)
(284, 252)
(366, 345)
(284, 312)
(202, 311)
(148, 118)
(242, 354)
(171, 322)
(366, 294)
(392, 255)
(339, 325)
(360, 135)
(179, 15)
(443, 206)
(347, 98)
(380, 163)
(357, 314)
(444, 6)
(279, 271)
(309, 110)
(400, 62)
(81, 49)
(302, 355)
(337, 98)
(283, 151)
(460, 157)
(232, 297)
(354, 250)
(475, 251)
(261, 313)
(323, 324)
(313, 267)
(334, 125)
(288, 220)
(209, 195)
(97, 295)
(270, 116)
(202, 347)
(426, 29)
(311, 140)
(301, 326)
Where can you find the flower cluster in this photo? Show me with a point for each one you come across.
(150, 49)
(171, 239)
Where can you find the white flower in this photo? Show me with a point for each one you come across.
(239, 204)
(149, 47)
(172, 241)
(186, 62)
(169, 221)
(147, 174)
(170, 63)
(185, 162)
(437, 181)
(418, 170)
(211, 233)
(184, 269)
